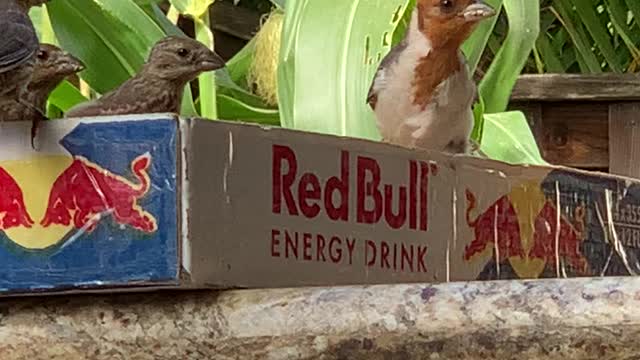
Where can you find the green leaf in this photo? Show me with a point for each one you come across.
(239, 65)
(66, 96)
(403, 24)
(599, 33)
(618, 11)
(581, 40)
(207, 81)
(193, 8)
(478, 119)
(634, 7)
(474, 47)
(524, 27)
(552, 62)
(161, 19)
(40, 19)
(325, 71)
(279, 3)
(507, 137)
(230, 108)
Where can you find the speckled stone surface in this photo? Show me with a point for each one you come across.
(551, 319)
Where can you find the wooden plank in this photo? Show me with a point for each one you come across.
(624, 139)
(570, 134)
(533, 112)
(562, 87)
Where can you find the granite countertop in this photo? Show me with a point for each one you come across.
(547, 319)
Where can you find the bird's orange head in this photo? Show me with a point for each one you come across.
(181, 59)
(448, 23)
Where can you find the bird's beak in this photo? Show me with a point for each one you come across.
(72, 65)
(211, 61)
(478, 10)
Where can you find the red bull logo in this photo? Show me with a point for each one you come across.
(69, 193)
(13, 211)
(85, 191)
(526, 229)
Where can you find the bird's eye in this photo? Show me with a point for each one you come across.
(447, 4)
(42, 55)
(183, 52)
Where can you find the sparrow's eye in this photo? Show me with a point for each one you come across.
(447, 4)
(183, 52)
(42, 55)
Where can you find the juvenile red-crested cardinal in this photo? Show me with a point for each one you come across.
(422, 93)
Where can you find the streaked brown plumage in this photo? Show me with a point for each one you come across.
(158, 87)
(18, 46)
(51, 67)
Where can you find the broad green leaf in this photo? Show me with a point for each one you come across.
(129, 13)
(104, 43)
(238, 66)
(161, 19)
(474, 47)
(326, 70)
(496, 86)
(227, 86)
(507, 137)
(193, 8)
(40, 19)
(66, 96)
(230, 108)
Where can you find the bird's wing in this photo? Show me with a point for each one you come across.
(100, 107)
(380, 80)
(19, 41)
(128, 98)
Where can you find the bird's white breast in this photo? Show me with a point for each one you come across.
(447, 117)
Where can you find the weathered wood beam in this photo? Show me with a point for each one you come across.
(553, 319)
(624, 139)
(570, 133)
(567, 87)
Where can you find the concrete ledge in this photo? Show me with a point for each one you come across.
(551, 319)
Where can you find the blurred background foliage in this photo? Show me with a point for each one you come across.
(307, 64)
(580, 36)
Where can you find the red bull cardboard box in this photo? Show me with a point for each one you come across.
(96, 206)
(153, 201)
(273, 207)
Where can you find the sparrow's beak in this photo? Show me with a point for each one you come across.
(211, 61)
(477, 11)
(72, 65)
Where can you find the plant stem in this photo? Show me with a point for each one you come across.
(207, 81)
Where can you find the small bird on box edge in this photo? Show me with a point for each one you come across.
(422, 93)
(18, 46)
(158, 87)
(52, 66)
